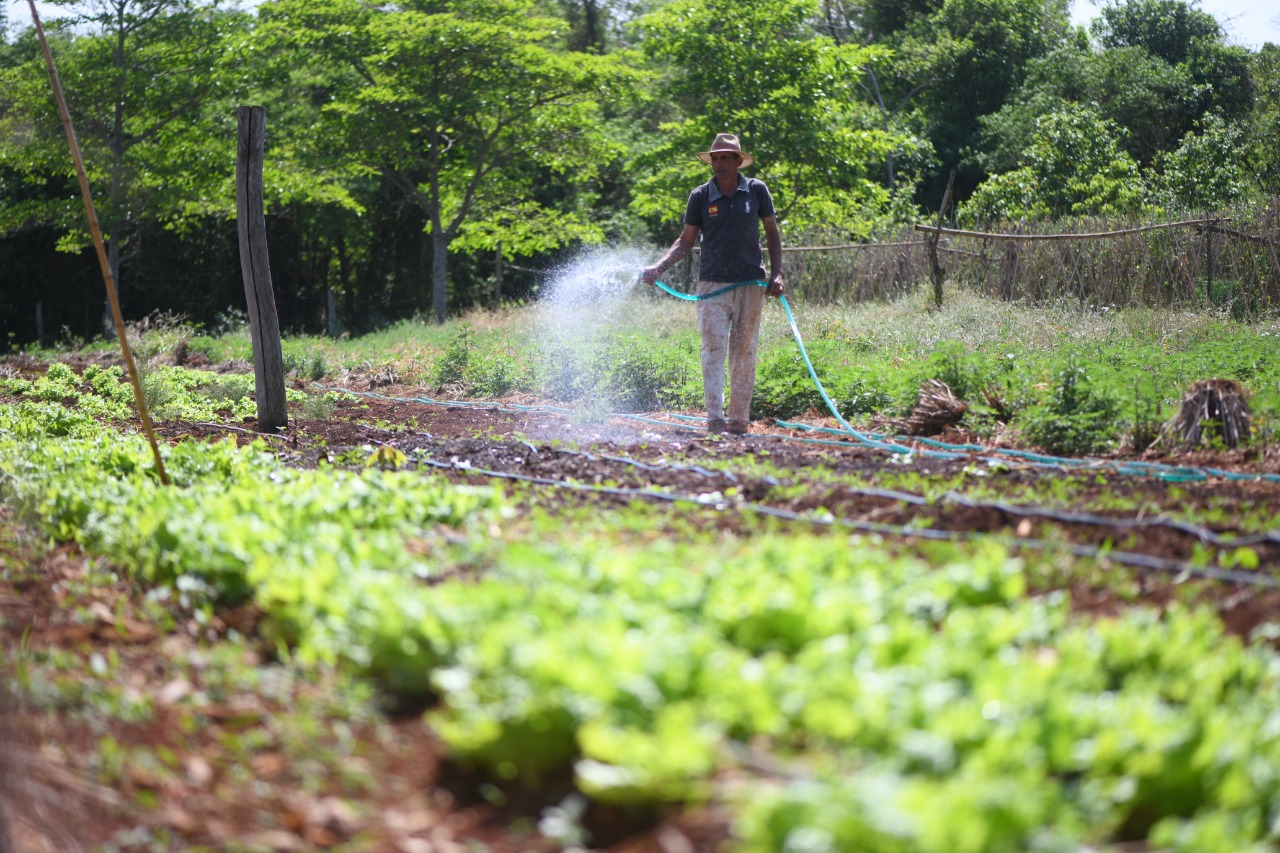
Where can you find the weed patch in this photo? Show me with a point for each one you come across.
(1078, 417)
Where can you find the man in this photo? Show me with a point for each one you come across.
(728, 212)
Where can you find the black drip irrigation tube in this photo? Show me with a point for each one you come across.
(1203, 534)
(645, 466)
(933, 449)
(1179, 569)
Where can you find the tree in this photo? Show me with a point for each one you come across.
(1206, 171)
(1073, 166)
(1164, 28)
(879, 20)
(150, 101)
(971, 54)
(952, 61)
(1263, 137)
(1141, 93)
(1187, 38)
(847, 21)
(794, 97)
(1158, 68)
(597, 26)
(463, 107)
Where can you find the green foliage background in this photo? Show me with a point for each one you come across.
(409, 143)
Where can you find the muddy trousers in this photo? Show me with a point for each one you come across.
(730, 325)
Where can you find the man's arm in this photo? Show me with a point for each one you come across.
(773, 242)
(681, 247)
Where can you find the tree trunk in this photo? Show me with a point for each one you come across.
(938, 272)
(593, 37)
(439, 268)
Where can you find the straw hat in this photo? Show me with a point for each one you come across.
(726, 142)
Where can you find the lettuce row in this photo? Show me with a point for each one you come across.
(884, 701)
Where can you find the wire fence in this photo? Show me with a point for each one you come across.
(1229, 262)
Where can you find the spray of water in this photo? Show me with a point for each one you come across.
(585, 314)
(587, 295)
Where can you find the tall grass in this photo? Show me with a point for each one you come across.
(1057, 371)
(1063, 376)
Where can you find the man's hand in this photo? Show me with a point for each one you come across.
(650, 274)
(776, 285)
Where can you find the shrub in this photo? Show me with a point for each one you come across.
(453, 367)
(965, 373)
(636, 374)
(862, 395)
(1074, 164)
(495, 374)
(1205, 172)
(1078, 417)
(229, 389)
(319, 367)
(319, 406)
(157, 390)
(783, 386)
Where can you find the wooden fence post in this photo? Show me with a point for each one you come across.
(1208, 262)
(938, 272)
(497, 276)
(255, 267)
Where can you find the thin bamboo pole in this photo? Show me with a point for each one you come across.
(851, 246)
(1027, 238)
(96, 231)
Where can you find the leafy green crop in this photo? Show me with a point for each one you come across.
(169, 392)
(908, 703)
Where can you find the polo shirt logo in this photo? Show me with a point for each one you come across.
(714, 210)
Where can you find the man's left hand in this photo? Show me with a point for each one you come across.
(776, 286)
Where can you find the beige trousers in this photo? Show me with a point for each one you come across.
(730, 325)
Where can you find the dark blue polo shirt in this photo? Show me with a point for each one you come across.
(730, 226)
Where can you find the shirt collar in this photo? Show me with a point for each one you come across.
(715, 188)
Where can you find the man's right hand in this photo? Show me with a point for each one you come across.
(650, 274)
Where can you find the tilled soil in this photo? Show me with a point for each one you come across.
(675, 459)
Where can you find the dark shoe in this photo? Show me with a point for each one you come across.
(716, 426)
(738, 427)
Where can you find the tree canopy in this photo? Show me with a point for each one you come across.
(411, 143)
(147, 93)
(461, 107)
(793, 95)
